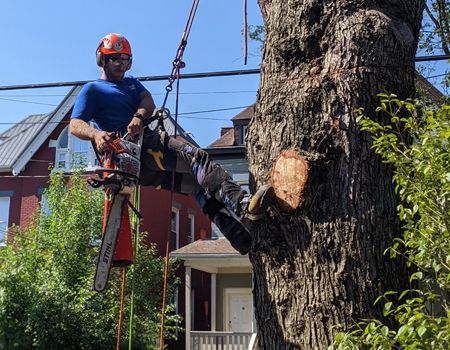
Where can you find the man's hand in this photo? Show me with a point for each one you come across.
(135, 126)
(103, 139)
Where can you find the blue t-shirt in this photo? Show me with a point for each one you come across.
(110, 104)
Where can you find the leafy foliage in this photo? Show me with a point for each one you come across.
(46, 296)
(435, 34)
(416, 143)
(435, 37)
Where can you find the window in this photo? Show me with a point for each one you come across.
(45, 210)
(244, 133)
(174, 228)
(4, 218)
(191, 228)
(242, 179)
(73, 153)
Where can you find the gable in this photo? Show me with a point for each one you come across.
(36, 135)
(16, 139)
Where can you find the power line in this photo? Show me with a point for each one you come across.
(30, 102)
(432, 58)
(437, 76)
(183, 115)
(212, 110)
(145, 78)
(154, 94)
(182, 76)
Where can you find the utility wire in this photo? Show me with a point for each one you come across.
(30, 102)
(154, 94)
(213, 110)
(145, 78)
(180, 114)
(181, 76)
(432, 58)
(437, 76)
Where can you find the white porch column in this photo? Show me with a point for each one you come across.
(187, 309)
(213, 301)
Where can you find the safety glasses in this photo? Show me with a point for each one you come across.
(119, 59)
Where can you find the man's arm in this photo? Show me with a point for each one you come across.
(144, 111)
(84, 131)
(147, 105)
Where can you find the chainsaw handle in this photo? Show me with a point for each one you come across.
(137, 140)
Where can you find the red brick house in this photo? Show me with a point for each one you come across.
(28, 148)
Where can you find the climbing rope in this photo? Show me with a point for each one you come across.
(161, 114)
(177, 64)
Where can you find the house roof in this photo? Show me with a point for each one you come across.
(246, 114)
(219, 246)
(213, 256)
(226, 140)
(16, 139)
(30, 140)
(428, 89)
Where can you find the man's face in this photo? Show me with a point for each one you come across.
(116, 66)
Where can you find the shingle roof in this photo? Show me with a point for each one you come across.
(226, 140)
(428, 89)
(246, 114)
(17, 138)
(206, 246)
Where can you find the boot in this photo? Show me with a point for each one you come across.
(253, 207)
(233, 230)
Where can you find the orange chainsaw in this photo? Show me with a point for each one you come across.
(119, 175)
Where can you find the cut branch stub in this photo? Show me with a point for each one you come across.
(289, 176)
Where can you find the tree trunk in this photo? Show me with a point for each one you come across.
(322, 265)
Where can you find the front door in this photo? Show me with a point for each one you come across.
(239, 309)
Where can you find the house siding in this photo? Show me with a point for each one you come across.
(232, 280)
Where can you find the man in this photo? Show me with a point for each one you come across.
(120, 104)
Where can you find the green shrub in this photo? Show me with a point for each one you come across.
(46, 277)
(416, 143)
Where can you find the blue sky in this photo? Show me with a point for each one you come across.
(53, 41)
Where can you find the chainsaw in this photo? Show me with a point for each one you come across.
(119, 175)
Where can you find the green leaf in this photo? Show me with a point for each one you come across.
(421, 331)
(387, 308)
(416, 276)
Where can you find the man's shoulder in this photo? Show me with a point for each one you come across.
(92, 85)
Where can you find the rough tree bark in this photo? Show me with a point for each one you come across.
(323, 264)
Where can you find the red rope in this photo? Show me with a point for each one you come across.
(119, 325)
(175, 75)
(169, 231)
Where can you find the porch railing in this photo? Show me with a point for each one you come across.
(220, 340)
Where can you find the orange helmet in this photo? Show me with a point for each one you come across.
(111, 44)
